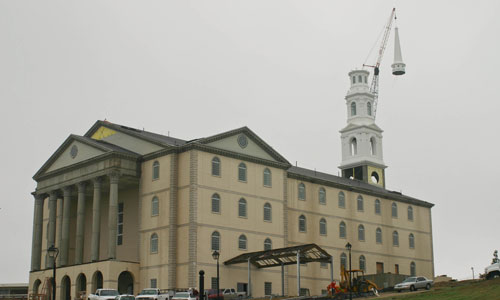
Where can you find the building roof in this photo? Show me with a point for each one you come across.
(142, 134)
(350, 184)
(282, 256)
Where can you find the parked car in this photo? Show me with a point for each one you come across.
(155, 294)
(211, 294)
(414, 283)
(125, 297)
(233, 294)
(184, 296)
(104, 294)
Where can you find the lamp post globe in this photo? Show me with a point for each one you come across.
(215, 256)
(53, 252)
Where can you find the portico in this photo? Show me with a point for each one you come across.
(77, 204)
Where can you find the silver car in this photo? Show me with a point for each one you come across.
(414, 283)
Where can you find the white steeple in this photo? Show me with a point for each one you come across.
(398, 67)
(361, 138)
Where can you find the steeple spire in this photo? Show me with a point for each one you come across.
(398, 67)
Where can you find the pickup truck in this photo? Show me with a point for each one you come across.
(492, 271)
(104, 294)
(155, 294)
(232, 294)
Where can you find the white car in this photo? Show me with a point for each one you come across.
(414, 283)
(104, 294)
(183, 296)
(125, 297)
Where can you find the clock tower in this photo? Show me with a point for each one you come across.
(362, 138)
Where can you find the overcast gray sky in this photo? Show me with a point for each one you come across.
(197, 68)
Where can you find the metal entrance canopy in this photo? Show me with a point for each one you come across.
(282, 256)
(295, 255)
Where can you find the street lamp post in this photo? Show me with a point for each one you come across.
(53, 252)
(216, 255)
(348, 246)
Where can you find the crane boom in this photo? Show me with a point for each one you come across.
(374, 84)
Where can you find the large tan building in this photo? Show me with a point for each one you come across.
(131, 209)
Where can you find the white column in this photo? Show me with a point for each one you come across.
(65, 226)
(59, 226)
(114, 178)
(80, 223)
(36, 247)
(96, 219)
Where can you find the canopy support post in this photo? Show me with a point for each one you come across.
(298, 273)
(249, 280)
(282, 280)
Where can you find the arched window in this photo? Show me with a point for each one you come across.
(377, 207)
(378, 236)
(394, 210)
(360, 203)
(242, 242)
(267, 177)
(369, 108)
(342, 230)
(411, 241)
(341, 199)
(242, 208)
(215, 241)
(302, 223)
(155, 206)
(268, 244)
(154, 243)
(343, 260)
(268, 212)
(395, 238)
(361, 232)
(413, 269)
(242, 172)
(302, 191)
(353, 146)
(322, 195)
(362, 262)
(215, 166)
(353, 108)
(215, 203)
(410, 213)
(322, 226)
(373, 146)
(156, 170)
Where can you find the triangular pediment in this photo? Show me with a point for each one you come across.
(243, 141)
(75, 149)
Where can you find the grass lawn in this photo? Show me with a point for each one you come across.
(464, 290)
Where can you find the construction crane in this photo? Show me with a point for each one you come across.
(398, 65)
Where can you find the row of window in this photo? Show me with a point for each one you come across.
(242, 172)
(215, 242)
(242, 242)
(360, 202)
(216, 171)
(362, 265)
(361, 232)
(242, 176)
(368, 108)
